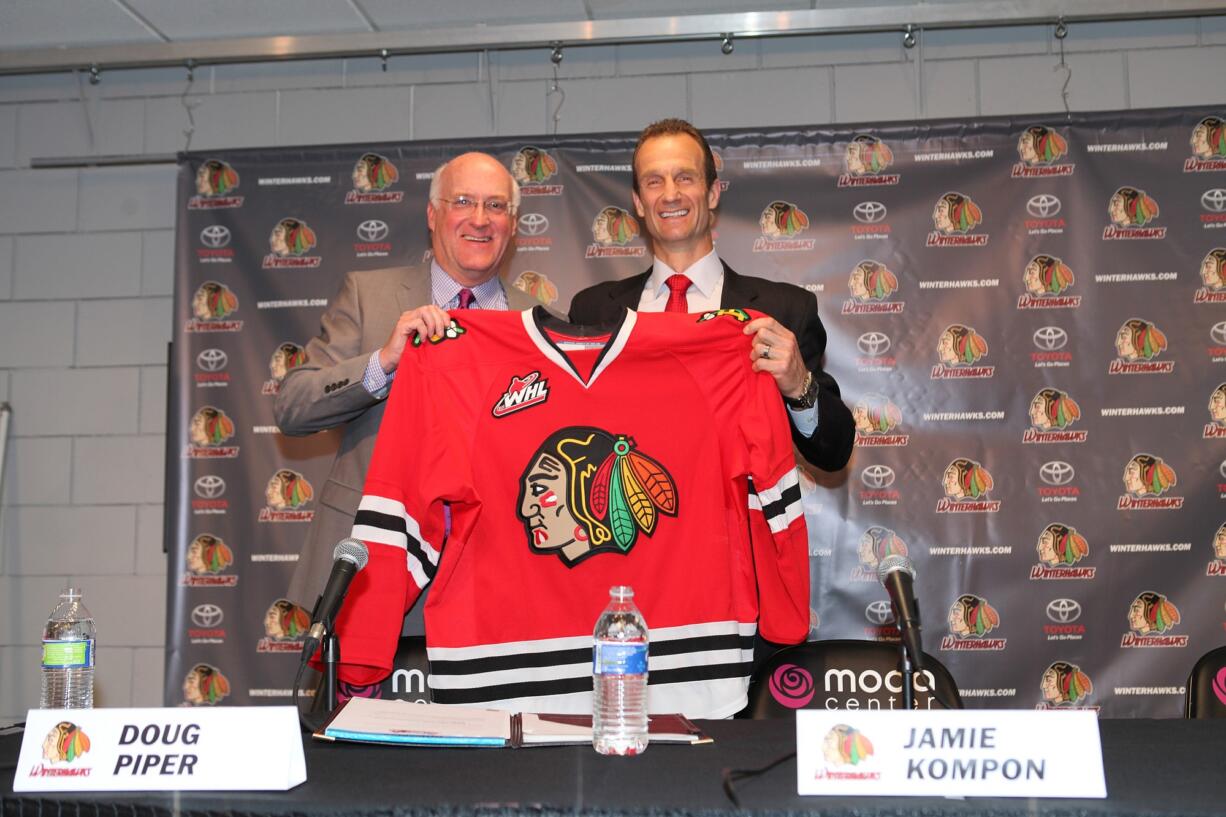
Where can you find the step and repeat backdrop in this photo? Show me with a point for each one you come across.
(1027, 315)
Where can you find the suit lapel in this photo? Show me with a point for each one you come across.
(414, 289)
(736, 293)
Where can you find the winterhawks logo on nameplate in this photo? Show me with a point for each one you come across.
(212, 304)
(1046, 278)
(1051, 413)
(1137, 343)
(1060, 548)
(958, 350)
(215, 180)
(1208, 146)
(1041, 148)
(866, 160)
(614, 229)
(532, 167)
(1216, 427)
(876, 419)
(955, 216)
(523, 392)
(871, 284)
(1151, 616)
(1130, 211)
(372, 176)
(1213, 275)
(971, 618)
(207, 558)
(1217, 567)
(967, 484)
(780, 223)
(1146, 479)
(290, 241)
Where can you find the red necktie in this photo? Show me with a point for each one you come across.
(467, 298)
(677, 285)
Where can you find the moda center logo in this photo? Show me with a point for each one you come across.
(215, 245)
(1044, 211)
(871, 221)
(531, 233)
(877, 481)
(1213, 201)
(1062, 617)
(1056, 478)
(372, 239)
(1049, 343)
(209, 490)
(206, 625)
(211, 364)
(873, 347)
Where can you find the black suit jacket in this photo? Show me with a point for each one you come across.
(830, 446)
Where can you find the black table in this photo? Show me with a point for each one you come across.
(1154, 767)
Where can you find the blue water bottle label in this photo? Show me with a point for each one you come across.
(68, 654)
(614, 658)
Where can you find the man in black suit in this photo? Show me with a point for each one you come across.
(675, 192)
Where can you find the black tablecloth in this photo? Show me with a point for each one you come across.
(1154, 767)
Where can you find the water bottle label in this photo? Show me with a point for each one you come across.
(69, 654)
(613, 658)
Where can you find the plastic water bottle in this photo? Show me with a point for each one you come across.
(68, 655)
(619, 677)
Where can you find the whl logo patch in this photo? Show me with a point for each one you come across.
(524, 392)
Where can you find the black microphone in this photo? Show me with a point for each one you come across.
(898, 575)
(349, 557)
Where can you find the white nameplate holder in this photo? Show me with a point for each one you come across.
(256, 748)
(963, 753)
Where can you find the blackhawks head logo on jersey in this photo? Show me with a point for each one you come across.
(586, 491)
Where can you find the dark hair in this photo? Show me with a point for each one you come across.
(675, 127)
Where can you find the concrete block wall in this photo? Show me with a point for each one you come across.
(86, 256)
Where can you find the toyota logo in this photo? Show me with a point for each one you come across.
(1050, 338)
(209, 486)
(207, 615)
(215, 235)
(212, 360)
(1063, 611)
(533, 224)
(879, 612)
(1043, 205)
(1213, 200)
(1221, 469)
(869, 212)
(877, 476)
(873, 344)
(372, 230)
(1056, 472)
(1218, 332)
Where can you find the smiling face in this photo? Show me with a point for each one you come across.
(673, 198)
(469, 245)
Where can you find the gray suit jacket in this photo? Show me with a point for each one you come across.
(327, 392)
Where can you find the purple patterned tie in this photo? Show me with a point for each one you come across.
(467, 298)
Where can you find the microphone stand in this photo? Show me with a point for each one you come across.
(908, 676)
(331, 655)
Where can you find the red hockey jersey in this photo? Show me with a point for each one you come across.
(667, 467)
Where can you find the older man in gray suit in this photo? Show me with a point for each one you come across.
(351, 363)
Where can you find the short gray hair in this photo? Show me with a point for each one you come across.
(436, 186)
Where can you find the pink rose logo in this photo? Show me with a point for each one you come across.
(792, 686)
(1219, 685)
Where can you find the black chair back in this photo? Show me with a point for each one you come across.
(1206, 689)
(844, 674)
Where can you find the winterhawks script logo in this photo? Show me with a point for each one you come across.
(876, 418)
(971, 619)
(215, 182)
(1216, 427)
(524, 392)
(1060, 547)
(285, 624)
(1151, 616)
(613, 229)
(1213, 276)
(967, 484)
(1064, 686)
(208, 431)
(1130, 211)
(959, 348)
(212, 304)
(1047, 279)
(871, 284)
(875, 544)
(1146, 479)
(207, 559)
(1041, 148)
(372, 176)
(285, 357)
(1051, 413)
(781, 222)
(1208, 144)
(1137, 343)
(955, 217)
(205, 685)
(285, 494)
(290, 241)
(866, 159)
(532, 167)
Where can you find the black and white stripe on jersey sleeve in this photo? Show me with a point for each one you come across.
(386, 522)
(779, 503)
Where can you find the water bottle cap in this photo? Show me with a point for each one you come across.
(70, 593)
(621, 591)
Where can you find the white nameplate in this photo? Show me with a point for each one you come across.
(229, 748)
(966, 753)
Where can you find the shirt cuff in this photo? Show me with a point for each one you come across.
(805, 420)
(376, 381)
